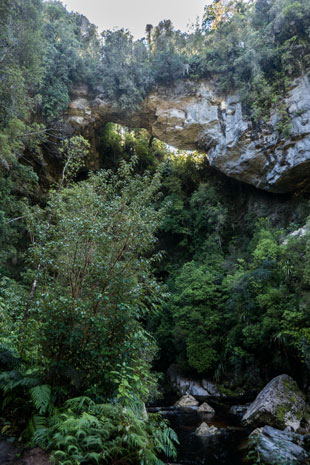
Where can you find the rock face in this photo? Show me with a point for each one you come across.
(184, 385)
(211, 388)
(7, 453)
(274, 446)
(191, 115)
(187, 402)
(197, 389)
(279, 404)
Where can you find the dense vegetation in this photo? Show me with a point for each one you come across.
(154, 257)
(237, 305)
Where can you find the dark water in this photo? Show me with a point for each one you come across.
(225, 448)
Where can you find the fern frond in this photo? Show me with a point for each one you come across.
(94, 456)
(41, 438)
(41, 397)
(79, 404)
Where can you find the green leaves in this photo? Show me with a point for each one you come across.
(71, 49)
(124, 73)
(94, 246)
(41, 397)
(90, 433)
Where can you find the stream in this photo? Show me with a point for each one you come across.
(225, 448)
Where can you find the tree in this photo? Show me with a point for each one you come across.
(95, 281)
(71, 56)
(124, 72)
(195, 307)
(20, 57)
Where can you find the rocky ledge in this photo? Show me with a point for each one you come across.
(275, 447)
(191, 115)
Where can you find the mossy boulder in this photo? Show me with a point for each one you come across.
(279, 404)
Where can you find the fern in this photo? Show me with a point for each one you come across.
(14, 379)
(41, 397)
(30, 401)
(36, 422)
(87, 433)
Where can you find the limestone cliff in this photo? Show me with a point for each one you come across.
(191, 115)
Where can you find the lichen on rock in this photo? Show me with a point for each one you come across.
(279, 404)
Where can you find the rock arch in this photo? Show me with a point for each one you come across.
(190, 115)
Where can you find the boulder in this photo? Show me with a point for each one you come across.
(187, 402)
(279, 404)
(204, 430)
(275, 447)
(206, 408)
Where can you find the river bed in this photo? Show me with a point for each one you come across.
(224, 448)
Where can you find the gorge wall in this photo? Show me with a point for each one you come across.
(190, 115)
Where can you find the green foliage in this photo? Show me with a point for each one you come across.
(239, 294)
(95, 282)
(84, 331)
(85, 432)
(41, 397)
(25, 400)
(119, 143)
(71, 51)
(20, 55)
(124, 72)
(196, 310)
(239, 297)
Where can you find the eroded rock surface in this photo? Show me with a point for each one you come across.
(7, 453)
(279, 404)
(191, 115)
(211, 388)
(275, 446)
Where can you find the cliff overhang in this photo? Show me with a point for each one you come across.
(191, 115)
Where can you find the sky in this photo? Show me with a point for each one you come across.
(135, 14)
